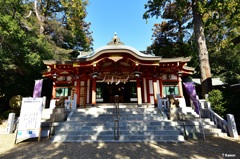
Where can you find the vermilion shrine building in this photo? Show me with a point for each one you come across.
(117, 69)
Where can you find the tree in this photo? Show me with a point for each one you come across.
(222, 25)
(226, 64)
(32, 31)
(155, 8)
(172, 38)
(63, 22)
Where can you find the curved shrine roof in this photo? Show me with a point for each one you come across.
(120, 47)
(116, 46)
(116, 49)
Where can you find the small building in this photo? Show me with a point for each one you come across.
(117, 69)
(216, 84)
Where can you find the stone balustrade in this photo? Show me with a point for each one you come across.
(228, 126)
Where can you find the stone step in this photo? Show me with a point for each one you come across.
(135, 125)
(122, 132)
(110, 111)
(189, 115)
(111, 118)
(214, 130)
(222, 134)
(195, 131)
(206, 130)
(197, 121)
(110, 115)
(46, 114)
(198, 135)
(125, 138)
(121, 123)
(192, 118)
(207, 126)
(188, 111)
(102, 128)
(124, 105)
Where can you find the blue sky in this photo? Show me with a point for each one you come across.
(123, 17)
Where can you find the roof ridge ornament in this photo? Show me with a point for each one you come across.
(115, 40)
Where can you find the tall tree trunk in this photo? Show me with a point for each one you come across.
(206, 80)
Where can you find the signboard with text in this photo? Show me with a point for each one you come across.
(30, 118)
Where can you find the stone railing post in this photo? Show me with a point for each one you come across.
(232, 126)
(74, 102)
(44, 102)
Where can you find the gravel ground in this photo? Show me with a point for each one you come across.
(212, 148)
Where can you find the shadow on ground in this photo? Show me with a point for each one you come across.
(214, 148)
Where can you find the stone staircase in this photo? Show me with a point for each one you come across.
(194, 125)
(135, 125)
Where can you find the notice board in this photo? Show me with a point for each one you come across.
(30, 118)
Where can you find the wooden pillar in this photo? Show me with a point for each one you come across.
(77, 85)
(139, 92)
(94, 91)
(155, 91)
(161, 87)
(180, 86)
(145, 90)
(54, 90)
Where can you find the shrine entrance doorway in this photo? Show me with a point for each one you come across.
(127, 92)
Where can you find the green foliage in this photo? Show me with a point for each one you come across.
(222, 25)
(215, 97)
(15, 102)
(173, 37)
(221, 21)
(226, 64)
(23, 46)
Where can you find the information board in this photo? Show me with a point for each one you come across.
(30, 118)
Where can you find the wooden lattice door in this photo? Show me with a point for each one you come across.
(83, 92)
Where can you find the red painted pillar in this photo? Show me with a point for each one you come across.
(77, 87)
(161, 87)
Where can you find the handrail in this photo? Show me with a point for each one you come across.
(116, 107)
(162, 102)
(228, 126)
(201, 121)
(206, 111)
(116, 117)
(71, 104)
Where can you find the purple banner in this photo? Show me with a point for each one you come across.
(37, 88)
(191, 91)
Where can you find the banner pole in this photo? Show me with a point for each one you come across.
(15, 140)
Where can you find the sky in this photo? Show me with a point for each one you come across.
(123, 17)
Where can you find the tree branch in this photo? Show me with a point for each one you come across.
(39, 17)
(30, 13)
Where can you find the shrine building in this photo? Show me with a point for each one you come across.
(116, 69)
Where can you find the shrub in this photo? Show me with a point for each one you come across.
(215, 97)
(15, 104)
